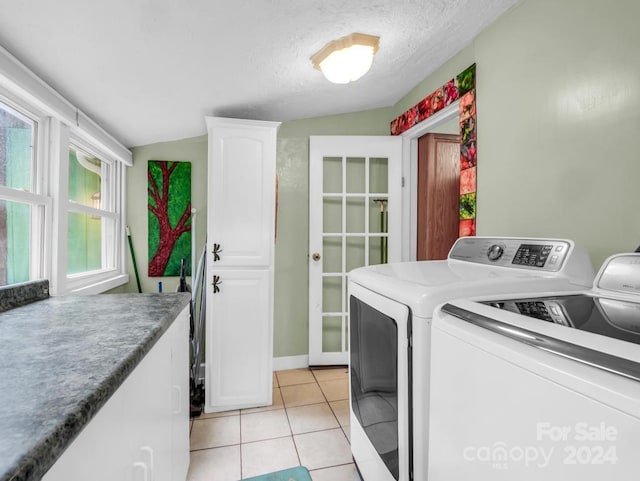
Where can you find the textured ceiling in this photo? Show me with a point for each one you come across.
(150, 70)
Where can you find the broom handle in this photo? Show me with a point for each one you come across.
(133, 259)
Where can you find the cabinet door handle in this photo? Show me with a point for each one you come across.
(143, 467)
(149, 451)
(178, 402)
(216, 284)
(217, 249)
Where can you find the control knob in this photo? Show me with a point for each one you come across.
(495, 252)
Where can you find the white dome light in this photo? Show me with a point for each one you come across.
(346, 59)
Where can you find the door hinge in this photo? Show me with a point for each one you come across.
(403, 181)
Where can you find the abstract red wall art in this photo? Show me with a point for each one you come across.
(169, 217)
(462, 87)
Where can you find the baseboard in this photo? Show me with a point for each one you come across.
(279, 364)
(290, 362)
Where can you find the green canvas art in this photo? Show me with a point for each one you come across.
(169, 217)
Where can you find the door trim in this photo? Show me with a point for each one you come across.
(410, 172)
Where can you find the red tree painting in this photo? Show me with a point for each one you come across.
(169, 205)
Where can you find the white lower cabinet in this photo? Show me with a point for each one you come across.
(142, 432)
(180, 401)
(239, 341)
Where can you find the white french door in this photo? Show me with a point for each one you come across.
(355, 220)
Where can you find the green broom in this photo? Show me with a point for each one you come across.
(133, 259)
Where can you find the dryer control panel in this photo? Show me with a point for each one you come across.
(536, 254)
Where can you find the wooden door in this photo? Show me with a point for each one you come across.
(438, 195)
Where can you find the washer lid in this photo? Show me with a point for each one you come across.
(614, 318)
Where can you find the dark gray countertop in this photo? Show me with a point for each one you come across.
(60, 361)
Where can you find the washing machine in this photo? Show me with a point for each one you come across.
(540, 387)
(391, 308)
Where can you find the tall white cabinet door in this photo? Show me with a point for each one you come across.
(240, 239)
(242, 178)
(239, 341)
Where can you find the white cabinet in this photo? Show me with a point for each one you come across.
(142, 432)
(180, 401)
(241, 207)
(239, 363)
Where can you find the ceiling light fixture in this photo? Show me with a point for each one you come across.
(346, 59)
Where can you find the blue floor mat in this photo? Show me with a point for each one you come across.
(299, 473)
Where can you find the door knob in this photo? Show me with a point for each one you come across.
(315, 256)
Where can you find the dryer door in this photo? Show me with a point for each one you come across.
(379, 377)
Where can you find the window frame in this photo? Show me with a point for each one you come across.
(58, 125)
(110, 276)
(40, 203)
(110, 248)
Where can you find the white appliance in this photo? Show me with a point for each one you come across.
(390, 315)
(540, 387)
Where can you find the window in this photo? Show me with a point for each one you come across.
(22, 207)
(90, 214)
(62, 177)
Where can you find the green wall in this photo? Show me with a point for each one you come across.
(558, 99)
(558, 112)
(558, 109)
(193, 150)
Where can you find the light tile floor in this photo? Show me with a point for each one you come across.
(307, 425)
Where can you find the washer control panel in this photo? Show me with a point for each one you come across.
(536, 254)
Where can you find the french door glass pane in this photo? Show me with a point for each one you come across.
(17, 137)
(377, 250)
(355, 252)
(331, 334)
(376, 217)
(355, 214)
(332, 175)
(356, 175)
(332, 294)
(332, 214)
(15, 242)
(378, 176)
(332, 255)
(85, 243)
